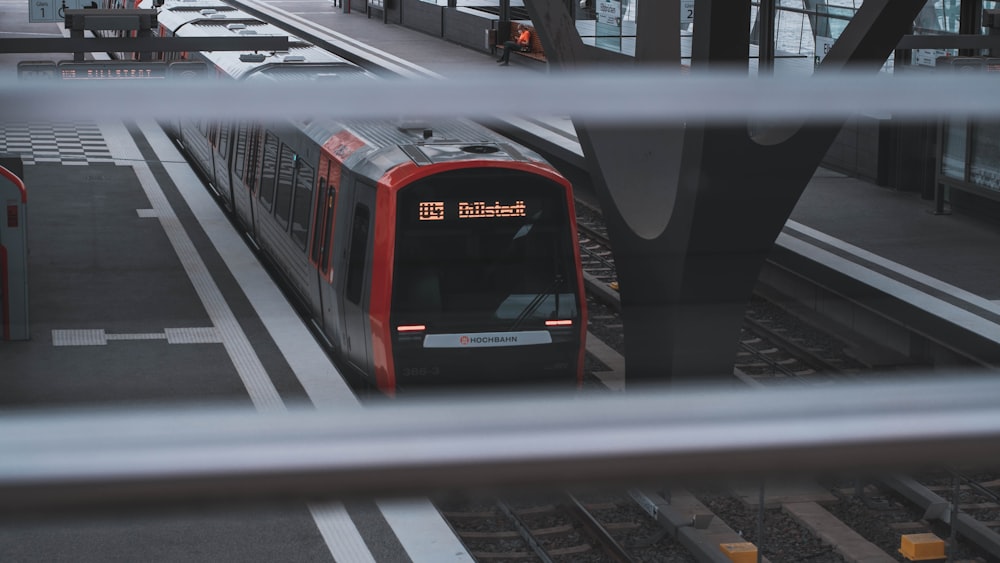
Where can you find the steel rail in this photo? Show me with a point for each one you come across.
(605, 541)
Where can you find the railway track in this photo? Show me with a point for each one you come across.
(588, 527)
(773, 347)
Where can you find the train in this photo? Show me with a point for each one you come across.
(425, 253)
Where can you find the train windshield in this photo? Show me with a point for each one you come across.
(484, 250)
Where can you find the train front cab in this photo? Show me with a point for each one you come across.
(486, 286)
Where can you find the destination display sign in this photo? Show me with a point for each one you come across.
(439, 210)
(41, 11)
(109, 70)
(121, 70)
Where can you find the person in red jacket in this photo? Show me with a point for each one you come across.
(523, 42)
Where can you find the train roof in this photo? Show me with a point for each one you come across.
(423, 141)
(394, 132)
(174, 14)
(302, 60)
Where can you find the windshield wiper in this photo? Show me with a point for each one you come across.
(536, 302)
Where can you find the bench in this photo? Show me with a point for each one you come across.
(536, 51)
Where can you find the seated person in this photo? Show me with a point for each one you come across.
(523, 43)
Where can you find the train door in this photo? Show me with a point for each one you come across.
(266, 182)
(321, 250)
(195, 137)
(353, 285)
(244, 170)
(222, 179)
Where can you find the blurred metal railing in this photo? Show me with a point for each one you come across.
(658, 96)
(57, 460)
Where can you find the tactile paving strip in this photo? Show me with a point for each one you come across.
(98, 337)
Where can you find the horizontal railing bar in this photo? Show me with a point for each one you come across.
(54, 460)
(600, 96)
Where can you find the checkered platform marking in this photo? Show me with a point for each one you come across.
(62, 143)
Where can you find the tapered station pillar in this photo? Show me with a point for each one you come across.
(693, 209)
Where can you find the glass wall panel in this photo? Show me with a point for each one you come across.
(938, 16)
(984, 167)
(953, 153)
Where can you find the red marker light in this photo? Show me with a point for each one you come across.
(411, 328)
(561, 322)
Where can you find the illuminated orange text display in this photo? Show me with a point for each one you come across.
(431, 210)
(435, 210)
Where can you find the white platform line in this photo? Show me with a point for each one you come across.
(895, 267)
(421, 531)
(338, 530)
(615, 378)
(123, 151)
(906, 293)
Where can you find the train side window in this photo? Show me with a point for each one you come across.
(356, 260)
(224, 139)
(241, 151)
(283, 194)
(318, 219)
(324, 217)
(301, 203)
(268, 171)
(253, 152)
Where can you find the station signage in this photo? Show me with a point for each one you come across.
(687, 12)
(53, 11)
(823, 45)
(109, 70)
(115, 70)
(609, 12)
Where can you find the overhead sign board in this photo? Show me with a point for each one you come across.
(42, 11)
(110, 70)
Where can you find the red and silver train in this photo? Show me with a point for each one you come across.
(426, 254)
